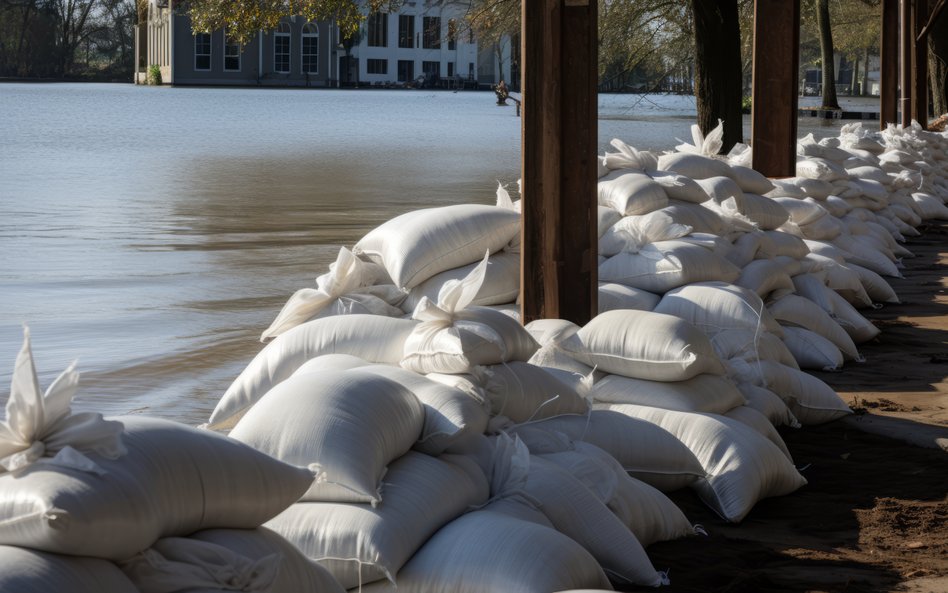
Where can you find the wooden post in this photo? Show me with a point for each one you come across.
(920, 63)
(774, 104)
(905, 74)
(559, 265)
(889, 67)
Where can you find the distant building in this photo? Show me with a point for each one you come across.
(426, 43)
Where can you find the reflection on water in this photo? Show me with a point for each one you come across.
(154, 232)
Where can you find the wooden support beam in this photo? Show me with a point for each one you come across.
(907, 41)
(559, 266)
(920, 65)
(775, 92)
(889, 67)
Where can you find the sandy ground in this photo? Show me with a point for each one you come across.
(874, 516)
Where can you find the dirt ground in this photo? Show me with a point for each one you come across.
(874, 516)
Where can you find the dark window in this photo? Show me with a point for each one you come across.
(406, 30)
(432, 32)
(378, 29)
(375, 66)
(310, 48)
(432, 70)
(406, 70)
(281, 49)
(452, 34)
(231, 54)
(450, 69)
(470, 70)
(202, 51)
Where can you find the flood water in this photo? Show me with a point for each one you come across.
(153, 233)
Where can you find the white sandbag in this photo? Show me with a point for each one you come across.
(720, 246)
(750, 180)
(370, 337)
(633, 233)
(853, 323)
(766, 277)
(742, 466)
(173, 480)
(812, 401)
(606, 218)
(825, 228)
(866, 255)
(454, 337)
(618, 296)
(869, 172)
(699, 218)
(761, 424)
(643, 345)
(837, 206)
(819, 168)
(717, 306)
(628, 157)
(812, 286)
(703, 393)
(551, 331)
(751, 345)
(31, 571)
(875, 285)
(346, 425)
(665, 265)
(576, 512)
(452, 415)
(680, 187)
(501, 282)
(524, 392)
(828, 250)
(523, 557)
(802, 312)
(802, 211)
(811, 350)
(331, 362)
(347, 275)
(787, 244)
(929, 206)
(841, 279)
(722, 189)
(359, 543)
(750, 246)
(419, 244)
(645, 451)
(768, 404)
(695, 166)
(765, 212)
(650, 515)
(256, 560)
(629, 192)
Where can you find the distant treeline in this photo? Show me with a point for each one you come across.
(71, 39)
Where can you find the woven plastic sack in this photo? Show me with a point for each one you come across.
(766, 277)
(702, 393)
(644, 450)
(665, 265)
(765, 212)
(750, 180)
(811, 400)
(811, 350)
(699, 218)
(742, 466)
(576, 512)
(617, 296)
(370, 337)
(754, 419)
(717, 306)
(633, 233)
(501, 282)
(875, 285)
(629, 192)
(359, 543)
(751, 345)
(31, 571)
(346, 426)
(524, 392)
(173, 480)
(680, 187)
(802, 312)
(522, 556)
(769, 405)
(643, 345)
(348, 274)
(695, 166)
(252, 560)
(650, 515)
(419, 244)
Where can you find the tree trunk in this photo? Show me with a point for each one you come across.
(826, 52)
(718, 68)
(938, 63)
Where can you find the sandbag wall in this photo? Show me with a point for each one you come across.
(415, 432)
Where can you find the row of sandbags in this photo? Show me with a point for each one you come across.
(439, 436)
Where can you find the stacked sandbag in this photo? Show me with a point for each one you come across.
(82, 492)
